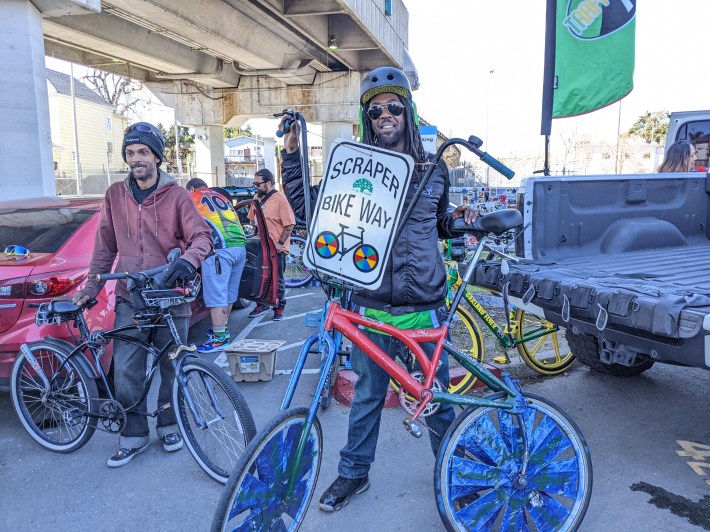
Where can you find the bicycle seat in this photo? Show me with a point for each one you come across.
(496, 222)
(62, 306)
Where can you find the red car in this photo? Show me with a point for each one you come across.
(59, 234)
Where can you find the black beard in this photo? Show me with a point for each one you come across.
(260, 192)
(384, 143)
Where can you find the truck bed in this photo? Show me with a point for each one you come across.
(664, 292)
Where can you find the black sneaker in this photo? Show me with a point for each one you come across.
(172, 442)
(124, 455)
(340, 491)
(259, 310)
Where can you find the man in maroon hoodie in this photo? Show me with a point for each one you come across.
(142, 219)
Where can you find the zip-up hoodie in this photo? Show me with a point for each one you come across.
(143, 235)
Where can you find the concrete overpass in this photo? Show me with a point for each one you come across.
(217, 62)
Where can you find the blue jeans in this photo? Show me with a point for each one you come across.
(366, 412)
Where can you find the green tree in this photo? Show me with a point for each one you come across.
(231, 132)
(186, 140)
(651, 127)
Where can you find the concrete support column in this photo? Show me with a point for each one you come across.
(209, 155)
(25, 138)
(332, 131)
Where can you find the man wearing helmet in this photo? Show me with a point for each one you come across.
(142, 219)
(413, 290)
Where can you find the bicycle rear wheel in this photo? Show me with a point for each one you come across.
(548, 354)
(227, 423)
(256, 496)
(55, 417)
(465, 337)
(478, 478)
(296, 273)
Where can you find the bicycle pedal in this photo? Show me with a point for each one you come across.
(412, 428)
(502, 360)
(161, 409)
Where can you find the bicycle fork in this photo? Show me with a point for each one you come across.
(182, 380)
(37, 368)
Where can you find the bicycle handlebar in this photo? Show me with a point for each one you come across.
(126, 275)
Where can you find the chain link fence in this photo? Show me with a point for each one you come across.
(95, 181)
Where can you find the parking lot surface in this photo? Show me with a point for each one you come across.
(633, 427)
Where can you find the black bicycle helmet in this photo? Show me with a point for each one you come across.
(385, 79)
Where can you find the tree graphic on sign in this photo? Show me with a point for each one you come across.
(363, 186)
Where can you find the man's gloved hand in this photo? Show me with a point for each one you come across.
(179, 270)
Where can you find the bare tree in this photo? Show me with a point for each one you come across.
(116, 89)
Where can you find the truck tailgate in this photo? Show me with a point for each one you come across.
(664, 292)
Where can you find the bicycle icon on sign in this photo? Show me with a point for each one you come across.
(365, 256)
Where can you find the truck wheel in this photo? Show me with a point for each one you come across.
(586, 350)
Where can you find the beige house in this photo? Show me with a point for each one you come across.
(99, 132)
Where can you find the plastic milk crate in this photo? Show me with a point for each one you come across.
(252, 360)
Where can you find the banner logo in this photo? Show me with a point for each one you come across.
(595, 19)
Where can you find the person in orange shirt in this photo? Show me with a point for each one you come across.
(280, 220)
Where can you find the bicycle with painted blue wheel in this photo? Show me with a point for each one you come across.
(510, 461)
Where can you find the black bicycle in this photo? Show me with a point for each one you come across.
(54, 383)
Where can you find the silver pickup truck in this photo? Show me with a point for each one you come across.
(622, 262)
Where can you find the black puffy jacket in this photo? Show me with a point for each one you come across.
(414, 277)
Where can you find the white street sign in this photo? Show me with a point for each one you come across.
(359, 206)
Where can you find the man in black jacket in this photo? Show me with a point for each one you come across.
(413, 291)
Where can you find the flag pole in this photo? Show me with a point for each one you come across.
(548, 82)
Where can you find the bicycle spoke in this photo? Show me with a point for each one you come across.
(547, 512)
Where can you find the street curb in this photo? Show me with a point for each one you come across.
(344, 389)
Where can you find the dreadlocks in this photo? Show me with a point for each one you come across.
(412, 140)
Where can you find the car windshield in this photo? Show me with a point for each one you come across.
(40, 230)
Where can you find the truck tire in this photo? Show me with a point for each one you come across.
(586, 350)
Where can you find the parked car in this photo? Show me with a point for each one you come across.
(59, 234)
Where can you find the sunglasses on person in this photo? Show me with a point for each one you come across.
(375, 111)
(14, 251)
(258, 183)
(143, 128)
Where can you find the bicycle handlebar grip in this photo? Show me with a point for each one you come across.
(110, 276)
(497, 165)
(287, 127)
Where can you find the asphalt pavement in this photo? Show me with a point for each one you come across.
(634, 427)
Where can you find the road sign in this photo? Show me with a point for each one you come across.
(359, 206)
(428, 134)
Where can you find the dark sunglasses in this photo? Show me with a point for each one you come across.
(143, 128)
(257, 183)
(13, 251)
(394, 108)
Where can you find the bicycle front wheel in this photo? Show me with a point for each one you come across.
(546, 352)
(257, 495)
(217, 423)
(296, 273)
(55, 416)
(479, 479)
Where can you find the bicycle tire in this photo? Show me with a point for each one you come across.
(296, 273)
(475, 478)
(547, 355)
(255, 496)
(220, 444)
(57, 423)
(465, 337)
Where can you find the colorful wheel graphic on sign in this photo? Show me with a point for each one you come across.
(365, 258)
(327, 245)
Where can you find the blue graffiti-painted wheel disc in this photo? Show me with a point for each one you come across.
(479, 485)
(256, 496)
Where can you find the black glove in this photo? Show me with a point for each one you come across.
(179, 270)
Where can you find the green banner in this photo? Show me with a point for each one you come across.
(594, 54)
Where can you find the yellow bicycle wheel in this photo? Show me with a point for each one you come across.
(548, 354)
(465, 337)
